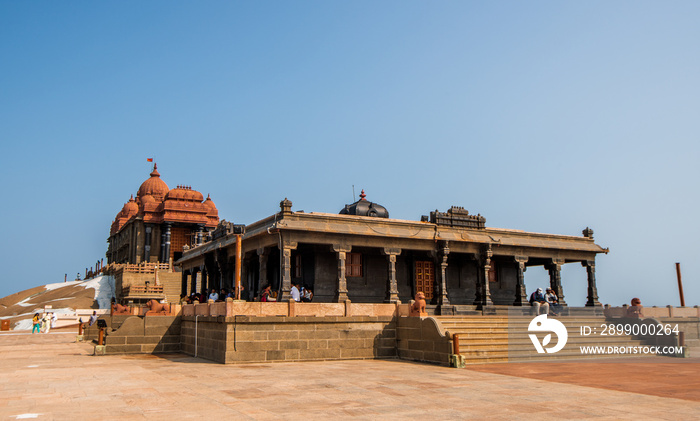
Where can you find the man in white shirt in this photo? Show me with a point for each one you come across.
(296, 296)
(93, 318)
(213, 296)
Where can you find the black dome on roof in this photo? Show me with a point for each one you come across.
(365, 208)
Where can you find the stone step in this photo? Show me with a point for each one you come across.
(497, 339)
(476, 357)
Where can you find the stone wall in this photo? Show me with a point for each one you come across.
(145, 335)
(421, 339)
(244, 339)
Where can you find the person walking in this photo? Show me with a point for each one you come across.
(36, 323)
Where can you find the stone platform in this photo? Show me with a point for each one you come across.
(50, 377)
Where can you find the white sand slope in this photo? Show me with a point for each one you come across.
(64, 305)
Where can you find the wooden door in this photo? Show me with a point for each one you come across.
(425, 278)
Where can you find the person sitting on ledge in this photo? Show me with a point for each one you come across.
(538, 300)
(634, 311)
(307, 296)
(266, 295)
(553, 301)
(296, 295)
(213, 296)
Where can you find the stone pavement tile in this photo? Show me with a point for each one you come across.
(181, 387)
(659, 376)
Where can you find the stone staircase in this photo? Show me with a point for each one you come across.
(504, 338)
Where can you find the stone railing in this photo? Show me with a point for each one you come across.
(292, 309)
(668, 311)
(141, 289)
(145, 267)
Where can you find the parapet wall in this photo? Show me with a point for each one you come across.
(655, 312)
(292, 309)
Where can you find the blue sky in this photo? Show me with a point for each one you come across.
(541, 116)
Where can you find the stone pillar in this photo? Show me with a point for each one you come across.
(247, 283)
(483, 297)
(592, 288)
(204, 277)
(147, 248)
(183, 289)
(341, 293)
(443, 252)
(198, 237)
(166, 256)
(262, 260)
(161, 255)
(392, 290)
(193, 280)
(520, 292)
(197, 280)
(555, 279)
(286, 269)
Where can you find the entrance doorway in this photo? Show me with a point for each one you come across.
(425, 278)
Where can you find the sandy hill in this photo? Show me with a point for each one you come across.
(64, 298)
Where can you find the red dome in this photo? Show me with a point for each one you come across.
(184, 193)
(130, 208)
(209, 204)
(154, 186)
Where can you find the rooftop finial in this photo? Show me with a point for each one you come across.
(362, 195)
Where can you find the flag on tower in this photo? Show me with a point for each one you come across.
(149, 159)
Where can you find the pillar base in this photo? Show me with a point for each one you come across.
(444, 310)
(100, 350)
(521, 302)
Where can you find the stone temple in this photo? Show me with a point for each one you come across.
(167, 243)
(149, 234)
(364, 269)
(363, 256)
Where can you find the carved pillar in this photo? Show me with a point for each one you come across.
(198, 237)
(483, 290)
(199, 285)
(520, 293)
(221, 266)
(166, 252)
(555, 279)
(592, 288)
(147, 248)
(161, 255)
(341, 293)
(444, 251)
(183, 288)
(193, 281)
(248, 291)
(204, 277)
(392, 290)
(262, 260)
(286, 269)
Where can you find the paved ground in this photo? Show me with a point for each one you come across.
(49, 377)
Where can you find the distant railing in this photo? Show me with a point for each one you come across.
(146, 267)
(141, 289)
